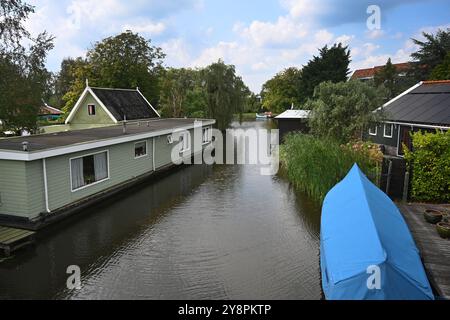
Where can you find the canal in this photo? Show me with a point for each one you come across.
(201, 232)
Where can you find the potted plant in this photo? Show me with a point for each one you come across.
(443, 228)
(432, 216)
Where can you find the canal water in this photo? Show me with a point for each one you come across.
(201, 232)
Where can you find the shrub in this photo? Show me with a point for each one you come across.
(430, 162)
(315, 165)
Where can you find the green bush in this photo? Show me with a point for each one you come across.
(430, 162)
(315, 165)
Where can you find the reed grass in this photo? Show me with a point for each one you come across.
(315, 165)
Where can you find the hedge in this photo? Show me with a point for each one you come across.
(430, 163)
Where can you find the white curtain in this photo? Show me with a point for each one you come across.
(100, 166)
(77, 173)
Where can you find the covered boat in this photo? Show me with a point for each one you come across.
(366, 248)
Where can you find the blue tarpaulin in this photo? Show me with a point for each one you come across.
(366, 248)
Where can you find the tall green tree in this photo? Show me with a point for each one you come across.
(341, 110)
(432, 52)
(442, 70)
(332, 65)
(24, 80)
(283, 90)
(124, 61)
(226, 93)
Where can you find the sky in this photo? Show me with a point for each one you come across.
(259, 37)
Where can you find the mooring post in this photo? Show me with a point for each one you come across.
(388, 182)
(406, 187)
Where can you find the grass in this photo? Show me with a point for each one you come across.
(315, 165)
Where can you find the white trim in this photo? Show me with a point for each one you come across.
(209, 138)
(30, 156)
(399, 96)
(429, 126)
(384, 130)
(80, 100)
(153, 153)
(148, 102)
(146, 149)
(376, 131)
(44, 173)
(94, 183)
(398, 141)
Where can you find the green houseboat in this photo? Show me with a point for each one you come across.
(46, 177)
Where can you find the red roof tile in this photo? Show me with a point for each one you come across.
(370, 72)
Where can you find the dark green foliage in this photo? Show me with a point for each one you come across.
(315, 165)
(24, 80)
(431, 53)
(283, 90)
(442, 71)
(430, 162)
(341, 110)
(331, 65)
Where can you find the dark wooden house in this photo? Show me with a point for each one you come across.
(293, 121)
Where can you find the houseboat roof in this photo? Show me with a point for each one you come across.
(46, 110)
(52, 144)
(119, 104)
(428, 102)
(294, 114)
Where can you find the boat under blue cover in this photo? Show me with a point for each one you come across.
(362, 228)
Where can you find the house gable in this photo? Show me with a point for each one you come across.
(80, 113)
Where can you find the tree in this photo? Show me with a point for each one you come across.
(442, 70)
(127, 61)
(24, 80)
(177, 97)
(280, 92)
(332, 65)
(341, 110)
(13, 13)
(431, 53)
(226, 93)
(124, 61)
(387, 77)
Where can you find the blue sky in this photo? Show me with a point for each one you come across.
(259, 37)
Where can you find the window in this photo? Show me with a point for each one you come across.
(206, 137)
(388, 129)
(140, 149)
(91, 109)
(185, 141)
(88, 170)
(373, 130)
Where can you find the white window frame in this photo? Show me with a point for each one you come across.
(186, 140)
(146, 149)
(94, 183)
(95, 109)
(376, 131)
(392, 130)
(209, 135)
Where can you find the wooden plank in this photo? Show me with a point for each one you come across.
(435, 251)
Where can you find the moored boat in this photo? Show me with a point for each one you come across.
(366, 248)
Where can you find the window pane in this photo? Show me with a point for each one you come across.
(89, 169)
(140, 149)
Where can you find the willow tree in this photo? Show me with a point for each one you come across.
(226, 93)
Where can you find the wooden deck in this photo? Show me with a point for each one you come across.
(434, 250)
(12, 239)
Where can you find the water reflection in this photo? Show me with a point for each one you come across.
(202, 232)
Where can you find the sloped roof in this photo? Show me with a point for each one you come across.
(294, 114)
(127, 103)
(46, 109)
(427, 103)
(370, 72)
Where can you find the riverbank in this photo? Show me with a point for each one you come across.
(315, 165)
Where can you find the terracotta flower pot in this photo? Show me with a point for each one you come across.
(432, 216)
(443, 228)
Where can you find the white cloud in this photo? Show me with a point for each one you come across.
(375, 34)
(147, 27)
(284, 31)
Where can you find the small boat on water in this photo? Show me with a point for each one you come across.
(366, 248)
(265, 115)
